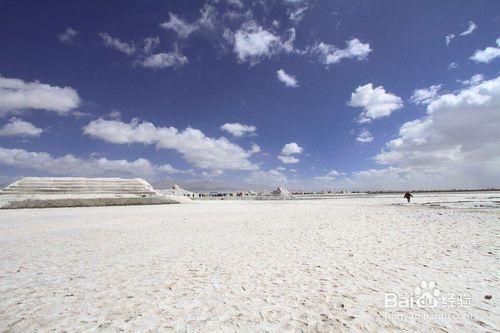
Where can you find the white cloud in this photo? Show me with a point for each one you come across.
(288, 150)
(365, 136)
(287, 79)
(470, 29)
(197, 149)
(330, 54)
(330, 176)
(425, 95)
(291, 148)
(181, 27)
(17, 95)
(115, 114)
(376, 102)
(117, 44)
(150, 44)
(207, 18)
(288, 159)
(488, 54)
(18, 127)
(453, 65)
(455, 145)
(475, 79)
(296, 15)
(143, 53)
(239, 130)
(255, 149)
(236, 3)
(167, 168)
(271, 178)
(448, 38)
(252, 43)
(68, 35)
(70, 165)
(164, 60)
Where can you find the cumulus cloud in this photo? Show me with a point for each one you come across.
(488, 54)
(453, 65)
(239, 130)
(470, 29)
(70, 165)
(455, 145)
(197, 149)
(20, 128)
(181, 27)
(288, 150)
(376, 102)
(365, 136)
(68, 36)
(252, 43)
(425, 95)
(291, 148)
(117, 44)
(164, 60)
(167, 168)
(288, 159)
(17, 95)
(330, 54)
(287, 79)
(475, 79)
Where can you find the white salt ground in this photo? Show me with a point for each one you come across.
(309, 265)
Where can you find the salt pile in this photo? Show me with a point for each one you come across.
(41, 192)
(178, 191)
(282, 193)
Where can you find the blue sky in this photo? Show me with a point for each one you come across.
(252, 94)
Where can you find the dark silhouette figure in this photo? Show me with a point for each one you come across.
(407, 196)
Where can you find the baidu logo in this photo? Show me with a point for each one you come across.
(426, 295)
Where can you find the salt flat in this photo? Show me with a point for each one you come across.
(298, 265)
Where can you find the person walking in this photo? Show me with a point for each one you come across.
(407, 196)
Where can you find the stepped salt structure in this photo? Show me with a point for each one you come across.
(41, 192)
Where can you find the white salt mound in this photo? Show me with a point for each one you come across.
(178, 191)
(282, 193)
(42, 192)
